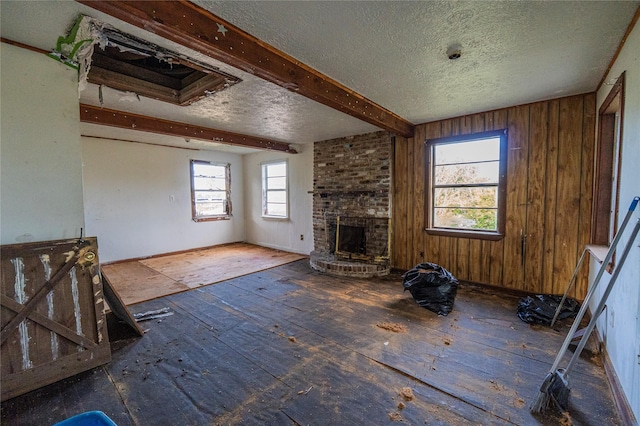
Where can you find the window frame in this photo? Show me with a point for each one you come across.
(606, 195)
(502, 186)
(228, 213)
(263, 170)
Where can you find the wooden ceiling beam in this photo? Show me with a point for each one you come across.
(126, 120)
(196, 28)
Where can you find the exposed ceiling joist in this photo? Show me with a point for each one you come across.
(191, 26)
(125, 120)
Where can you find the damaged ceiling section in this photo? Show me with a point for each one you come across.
(132, 67)
(129, 64)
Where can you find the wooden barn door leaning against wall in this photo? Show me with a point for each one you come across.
(53, 320)
(549, 198)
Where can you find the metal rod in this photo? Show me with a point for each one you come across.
(571, 281)
(592, 290)
(603, 300)
(337, 233)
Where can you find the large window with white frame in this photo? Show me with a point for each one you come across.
(466, 178)
(275, 189)
(210, 190)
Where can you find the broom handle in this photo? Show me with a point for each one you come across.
(596, 281)
(600, 308)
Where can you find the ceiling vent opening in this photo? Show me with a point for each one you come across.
(130, 64)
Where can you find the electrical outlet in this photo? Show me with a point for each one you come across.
(611, 317)
(301, 237)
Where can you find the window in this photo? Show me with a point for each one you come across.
(275, 190)
(466, 177)
(210, 190)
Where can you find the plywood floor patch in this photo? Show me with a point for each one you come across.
(141, 280)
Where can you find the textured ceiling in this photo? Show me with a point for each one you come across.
(393, 53)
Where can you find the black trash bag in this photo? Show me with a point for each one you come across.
(541, 308)
(432, 287)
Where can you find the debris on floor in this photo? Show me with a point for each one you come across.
(432, 287)
(391, 326)
(407, 394)
(395, 416)
(541, 308)
(566, 419)
(150, 315)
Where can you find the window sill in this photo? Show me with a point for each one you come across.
(280, 218)
(598, 252)
(211, 218)
(476, 235)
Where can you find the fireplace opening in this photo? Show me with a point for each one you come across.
(353, 246)
(358, 238)
(351, 240)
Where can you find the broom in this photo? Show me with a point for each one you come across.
(555, 387)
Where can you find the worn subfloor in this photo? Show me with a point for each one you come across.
(290, 346)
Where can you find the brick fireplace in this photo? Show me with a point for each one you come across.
(351, 205)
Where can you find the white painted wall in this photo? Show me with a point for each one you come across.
(41, 174)
(620, 323)
(138, 199)
(279, 233)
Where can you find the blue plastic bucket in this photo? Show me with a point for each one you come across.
(90, 418)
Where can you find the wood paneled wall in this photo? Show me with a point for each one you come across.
(549, 197)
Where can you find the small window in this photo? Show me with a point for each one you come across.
(466, 177)
(275, 190)
(210, 190)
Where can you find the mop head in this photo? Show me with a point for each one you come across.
(554, 390)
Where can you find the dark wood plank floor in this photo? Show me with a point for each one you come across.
(291, 346)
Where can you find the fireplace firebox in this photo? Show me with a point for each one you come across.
(351, 241)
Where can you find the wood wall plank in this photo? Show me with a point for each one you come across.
(419, 194)
(498, 121)
(586, 191)
(432, 242)
(567, 191)
(551, 175)
(411, 197)
(550, 169)
(401, 225)
(517, 164)
(535, 195)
